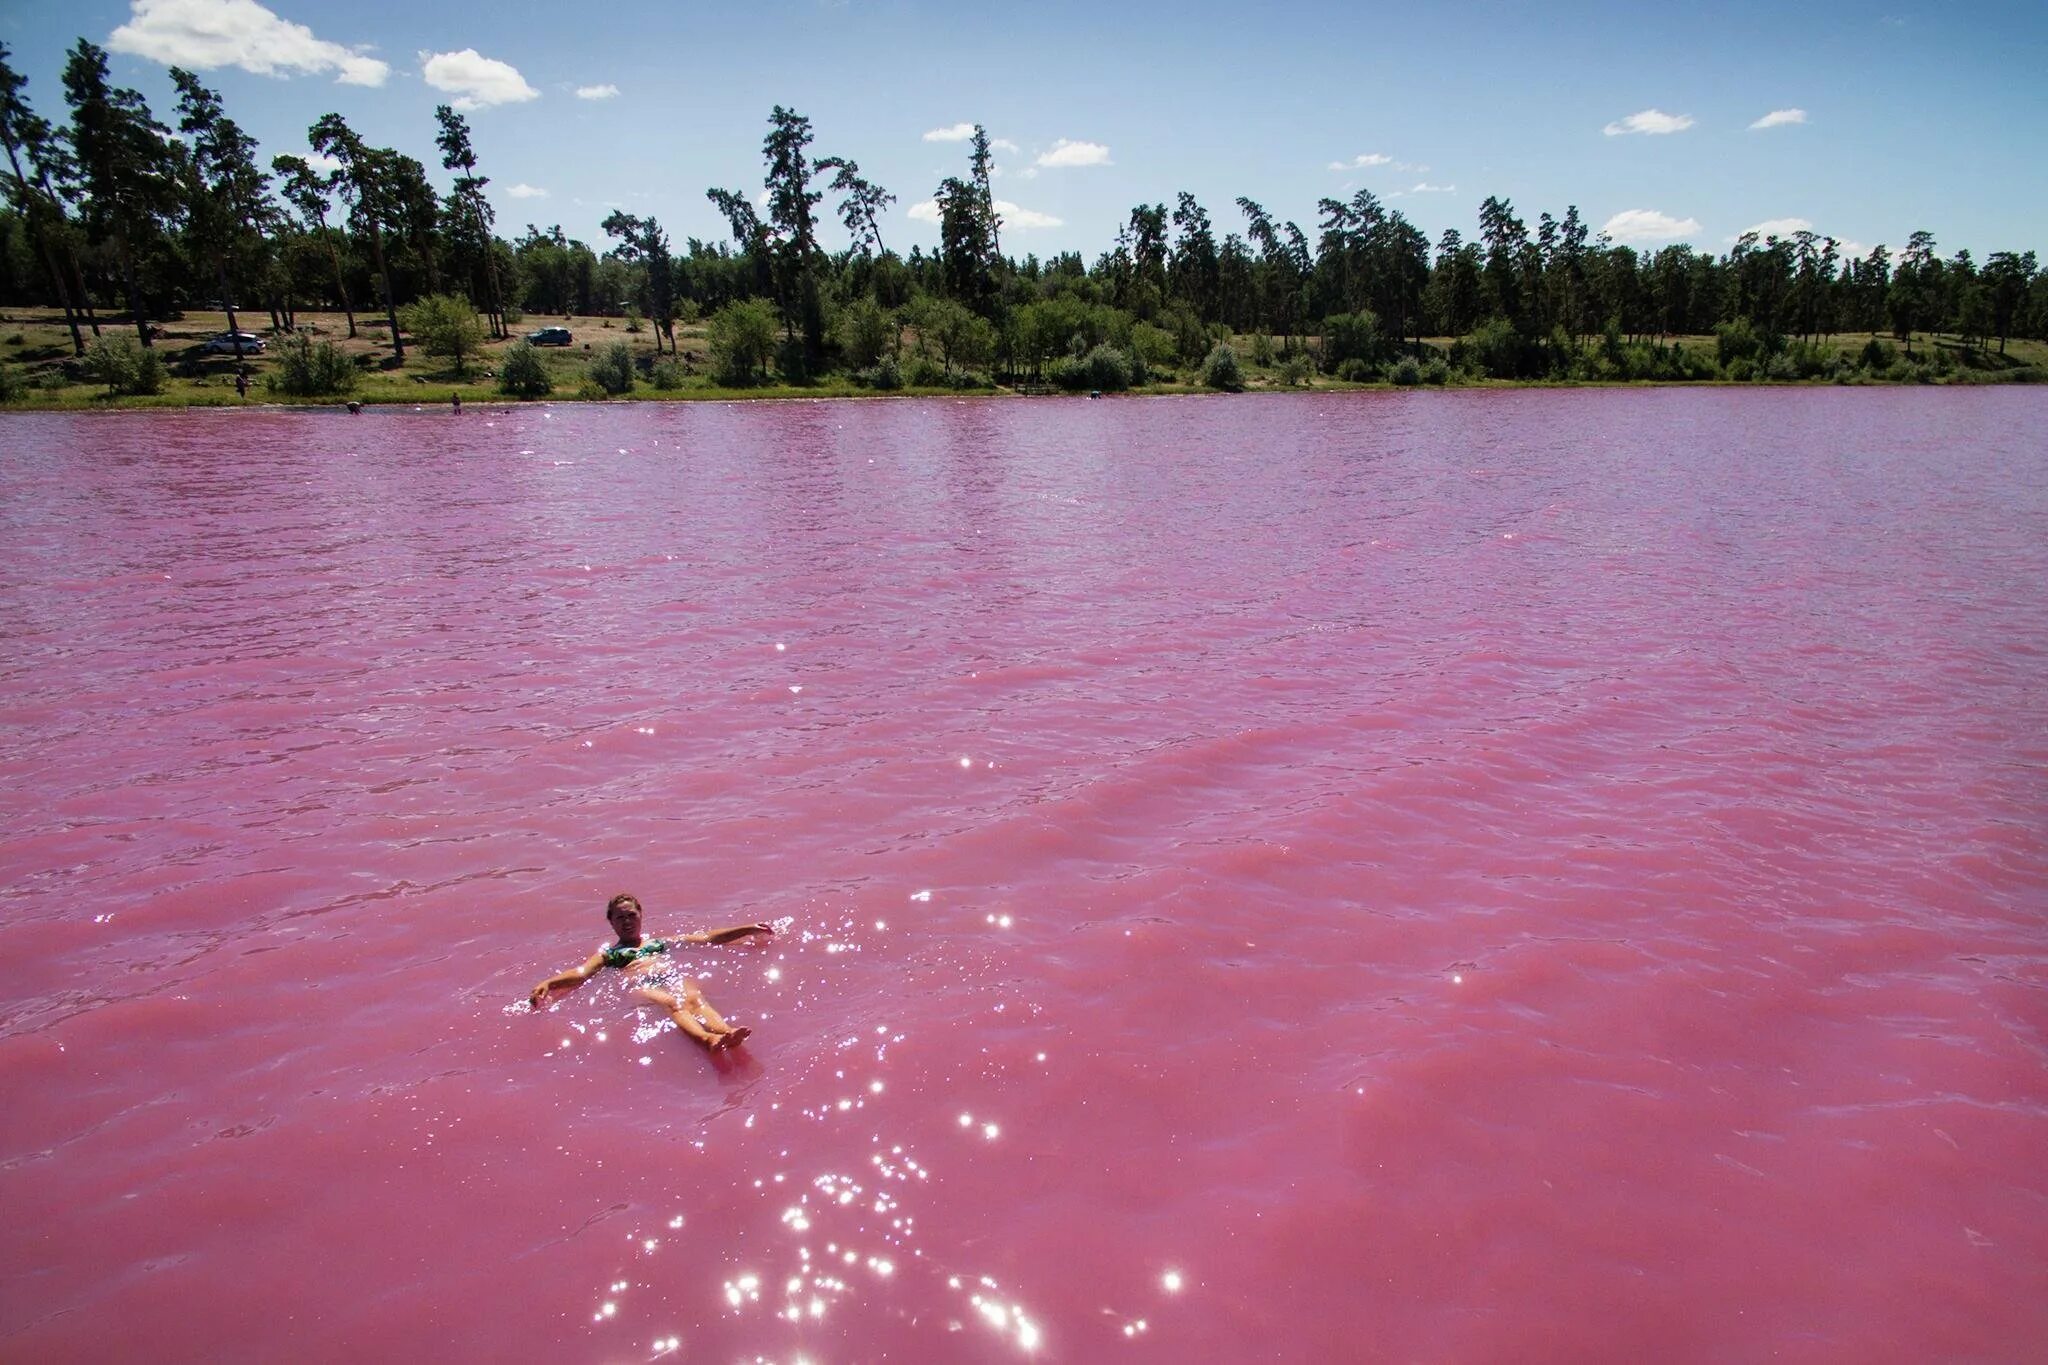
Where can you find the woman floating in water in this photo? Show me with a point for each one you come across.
(640, 958)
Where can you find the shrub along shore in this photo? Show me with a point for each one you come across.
(612, 358)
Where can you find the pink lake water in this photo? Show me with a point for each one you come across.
(1449, 876)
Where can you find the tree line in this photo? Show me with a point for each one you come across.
(113, 210)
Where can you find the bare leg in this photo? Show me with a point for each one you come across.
(655, 995)
(727, 1035)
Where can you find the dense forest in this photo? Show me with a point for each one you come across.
(112, 212)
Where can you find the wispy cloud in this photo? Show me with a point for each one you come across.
(1069, 153)
(959, 132)
(1778, 118)
(1367, 161)
(205, 34)
(1424, 187)
(607, 91)
(476, 81)
(1648, 225)
(1652, 121)
(525, 191)
(1003, 144)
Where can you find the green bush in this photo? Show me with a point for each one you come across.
(1354, 370)
(666, 375)
(1068, 373)
(444, 325)
(125, 367)
(634, 319)
(523, 374)
(1735, 341)
(925, 373)
(512, 316)
(1109, 369)
(1741, 370)
(866, 333)
(1221, 370)
(1295, 370)
(1154, 347)
(16, 339)
(742, 342)
(1350, 336)
(10, 384)
(308, 369)
(1262, 350)
(884, 375)
(612, 368)
(1407, 372)
(1497, 350)
(1436, 371)
(792, 361)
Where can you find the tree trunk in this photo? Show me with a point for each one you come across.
(63, 298)
(92, 319)
(341, 288)
(384, 282)
(227, 300)
(40, 231)
(133, 291)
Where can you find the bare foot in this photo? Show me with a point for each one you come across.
(732, 1039)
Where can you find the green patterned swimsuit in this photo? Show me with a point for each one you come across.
(618, 955)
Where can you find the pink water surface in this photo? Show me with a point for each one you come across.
(1446, 877)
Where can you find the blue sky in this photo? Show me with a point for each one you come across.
(1879, 120)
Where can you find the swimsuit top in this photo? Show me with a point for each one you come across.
(618, 955)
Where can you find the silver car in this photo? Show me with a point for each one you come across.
(234, 343)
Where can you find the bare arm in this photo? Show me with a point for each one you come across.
(727, 934)
(568, 978)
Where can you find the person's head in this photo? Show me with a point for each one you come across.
(623, 910)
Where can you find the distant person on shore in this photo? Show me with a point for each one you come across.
(641, 960)
(458, 404)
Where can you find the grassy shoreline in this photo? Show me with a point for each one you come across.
(35, 345)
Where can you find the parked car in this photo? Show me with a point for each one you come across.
(551, 336)
(234, 343)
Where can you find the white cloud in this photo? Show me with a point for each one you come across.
(1648, 225)
(1066, 153)
(1024, 219)
(476, 80)
(525, 191)
(1003, 144)
(1020, 219)
(1363, 161)
(1778, 118)
(1650, 121)
(959, 132)
(1424, 187)
(205, 34)
(607, 91)
(1778, 227)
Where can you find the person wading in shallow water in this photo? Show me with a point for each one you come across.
(641, 959)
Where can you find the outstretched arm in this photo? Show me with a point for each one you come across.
(568, 978)
(727, 934)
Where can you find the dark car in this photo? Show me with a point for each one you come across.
(551, 336)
